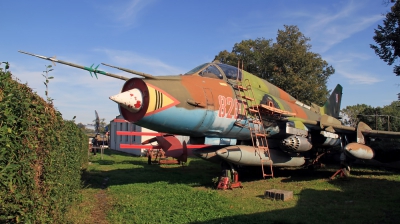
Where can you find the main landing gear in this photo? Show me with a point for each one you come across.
(344, 171)
(229, 178)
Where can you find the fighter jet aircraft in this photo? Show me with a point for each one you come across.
(237, 119)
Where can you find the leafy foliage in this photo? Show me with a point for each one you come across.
(41, 156)
(46, 82)
(351, 114)
(101, 124)
(288, 63)
(388, 38)
(386, 118)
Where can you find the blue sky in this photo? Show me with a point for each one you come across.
(171, 37)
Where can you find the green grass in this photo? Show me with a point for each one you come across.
(124, 189)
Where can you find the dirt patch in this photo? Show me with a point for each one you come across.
(98, 213)
(101, 205)
(93, 208)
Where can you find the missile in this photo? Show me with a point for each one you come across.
(248, 156)
(209, 153)
(91, 70)
(296, 144)
(359, 151)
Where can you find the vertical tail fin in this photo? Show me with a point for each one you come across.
(332, 105)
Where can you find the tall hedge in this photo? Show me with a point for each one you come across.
(41, 157)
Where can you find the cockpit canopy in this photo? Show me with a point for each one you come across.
(216, 71)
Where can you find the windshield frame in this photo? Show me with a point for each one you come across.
(229, 68)
(197, 69)
(223, 69)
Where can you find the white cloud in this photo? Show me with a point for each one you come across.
(352, 58)
(350, 65)
(331, 29)
(132, 60)
(359, 78)
(326, 24)
(127, 13)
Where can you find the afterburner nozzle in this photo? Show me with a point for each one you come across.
(131, 100)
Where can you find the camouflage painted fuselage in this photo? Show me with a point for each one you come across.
(210, 105)
(197, 106)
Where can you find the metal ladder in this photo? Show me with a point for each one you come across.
(254, 122)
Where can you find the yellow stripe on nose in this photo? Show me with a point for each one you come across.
(159, 100)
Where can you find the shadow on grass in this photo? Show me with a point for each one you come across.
(358, 200)
(130, 169)
(137, 170)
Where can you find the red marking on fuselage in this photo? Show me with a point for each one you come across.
(298, 110)
(233, 106)
(137, 104)
(131, 94)
(229, 101)
(222, 106)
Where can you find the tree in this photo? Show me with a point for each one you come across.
(351, 114)
(288, 63)
(392, 122)
(385, 118)
(254, 54)
(102, 124)
(388, 38)
(299, 71)
(81, 126)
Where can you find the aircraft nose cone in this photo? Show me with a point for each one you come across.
(131, 100)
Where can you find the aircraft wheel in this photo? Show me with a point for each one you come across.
(346, 171)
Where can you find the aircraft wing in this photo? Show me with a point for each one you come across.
(333, 125)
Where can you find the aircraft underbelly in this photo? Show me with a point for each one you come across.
(198, 122)
(175, 120)
(225, 127)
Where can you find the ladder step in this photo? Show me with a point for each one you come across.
(252, 110)
(259, 135)
(239, 87)
(241, 101)
(263, 147)
(247, 98)
(265, 160)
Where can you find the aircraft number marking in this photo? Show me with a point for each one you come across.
(233, 106)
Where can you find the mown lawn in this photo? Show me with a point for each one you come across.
(123, 189)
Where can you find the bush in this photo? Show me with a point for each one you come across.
(41, 156)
